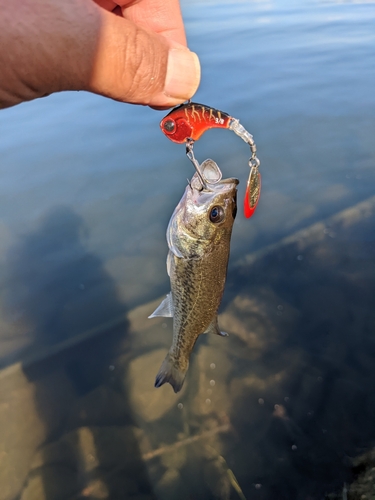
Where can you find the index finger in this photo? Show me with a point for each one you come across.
(160, 16)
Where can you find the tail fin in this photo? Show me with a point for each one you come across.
(170, 373)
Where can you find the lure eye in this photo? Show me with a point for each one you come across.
(216, 214)
(169, 126)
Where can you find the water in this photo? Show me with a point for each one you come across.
(88, 186)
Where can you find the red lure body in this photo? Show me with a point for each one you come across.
(191, 121)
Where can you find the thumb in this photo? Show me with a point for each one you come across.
(138, 66)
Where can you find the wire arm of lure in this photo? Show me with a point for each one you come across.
(240, 130)
(194, 161)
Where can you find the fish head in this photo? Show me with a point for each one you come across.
(207, 214)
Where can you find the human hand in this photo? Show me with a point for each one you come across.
(130, 50)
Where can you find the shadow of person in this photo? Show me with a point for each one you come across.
(54, 285)
(79, 430)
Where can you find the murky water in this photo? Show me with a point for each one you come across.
(277, 410)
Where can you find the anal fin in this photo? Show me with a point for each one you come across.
(165, 309)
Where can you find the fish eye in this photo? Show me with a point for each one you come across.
(216, 214)
(169, 125)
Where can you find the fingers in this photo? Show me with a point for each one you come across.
(48, 46)
(141, 67)
(45, 46)
(160, 16)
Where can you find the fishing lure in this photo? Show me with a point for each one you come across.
(253, 186)
(188, 122)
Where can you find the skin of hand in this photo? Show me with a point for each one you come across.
(131, 50)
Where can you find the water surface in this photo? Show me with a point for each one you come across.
(88, 186)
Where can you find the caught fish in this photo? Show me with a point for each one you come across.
(198, 237)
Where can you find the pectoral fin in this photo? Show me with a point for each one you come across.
(213, 327)
(165, 309)
(169, 262)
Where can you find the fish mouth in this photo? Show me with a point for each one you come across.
(212, 176)
(230, 180)
(210, 187)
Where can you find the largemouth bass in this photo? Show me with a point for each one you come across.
(198, 237)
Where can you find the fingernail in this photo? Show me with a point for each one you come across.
(183, 74)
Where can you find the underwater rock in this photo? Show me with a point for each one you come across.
(363, 486)
(19, 437)
(87, 448)
(52, 483)
(209, 374)
(96, 489)
(146, 402)
(102, 406)
(100, 460)
(216, 477)
(25, 423)
(169, 486)
(175, 459)
(258, 319)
